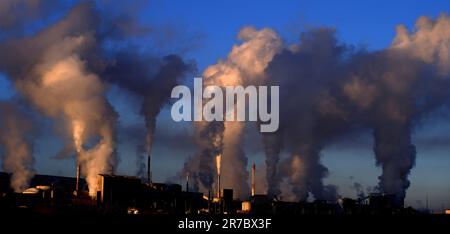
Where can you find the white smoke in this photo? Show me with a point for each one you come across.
(244, 65)
(15, 130)
(57, 81)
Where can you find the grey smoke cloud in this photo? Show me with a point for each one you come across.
(332, 90)
(328, 89)
(150, 79)
(16, 132)
(68, 74)
(244, 65)
(15, 15)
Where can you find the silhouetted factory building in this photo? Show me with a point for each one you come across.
(45, 190)
(127, 194)
(117, 191)
(120, 193)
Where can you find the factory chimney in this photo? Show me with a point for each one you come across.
(149, 172)
(187, 182)
(218, 165)
(218, 185)
(77, 184)
(253, 179)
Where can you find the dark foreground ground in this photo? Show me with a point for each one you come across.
(92, 223)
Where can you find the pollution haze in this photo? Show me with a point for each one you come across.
(364, 95)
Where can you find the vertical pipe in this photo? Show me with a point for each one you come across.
(253, 179)
(218, 166)
(187, 182)
(77, 185)
(218, 185)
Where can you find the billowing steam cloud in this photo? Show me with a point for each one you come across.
(272, 148)
(415, 82)
(200, 167)
(17, 157)
(244, 65)
(309, 115)
(66, 75)
(55, 78)
(329, 89)
(151, 80)
(16, 14)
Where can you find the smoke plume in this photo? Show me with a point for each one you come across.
(149, 79)
(245, 64)
(17, 14)
(328, 91)
(67, 75)
(55, 78)
(15, 133)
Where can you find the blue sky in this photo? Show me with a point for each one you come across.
(362, 23)
(209, 29)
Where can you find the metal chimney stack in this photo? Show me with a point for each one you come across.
(187, 182)
(77, 185)
(218, 185)
(253, 179)
(218, 167)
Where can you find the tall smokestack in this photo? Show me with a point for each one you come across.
(218, 165)
(218, 185)
(253, 179)
(244, 65)
(187, 182)
(77, 185)
(149, 171)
